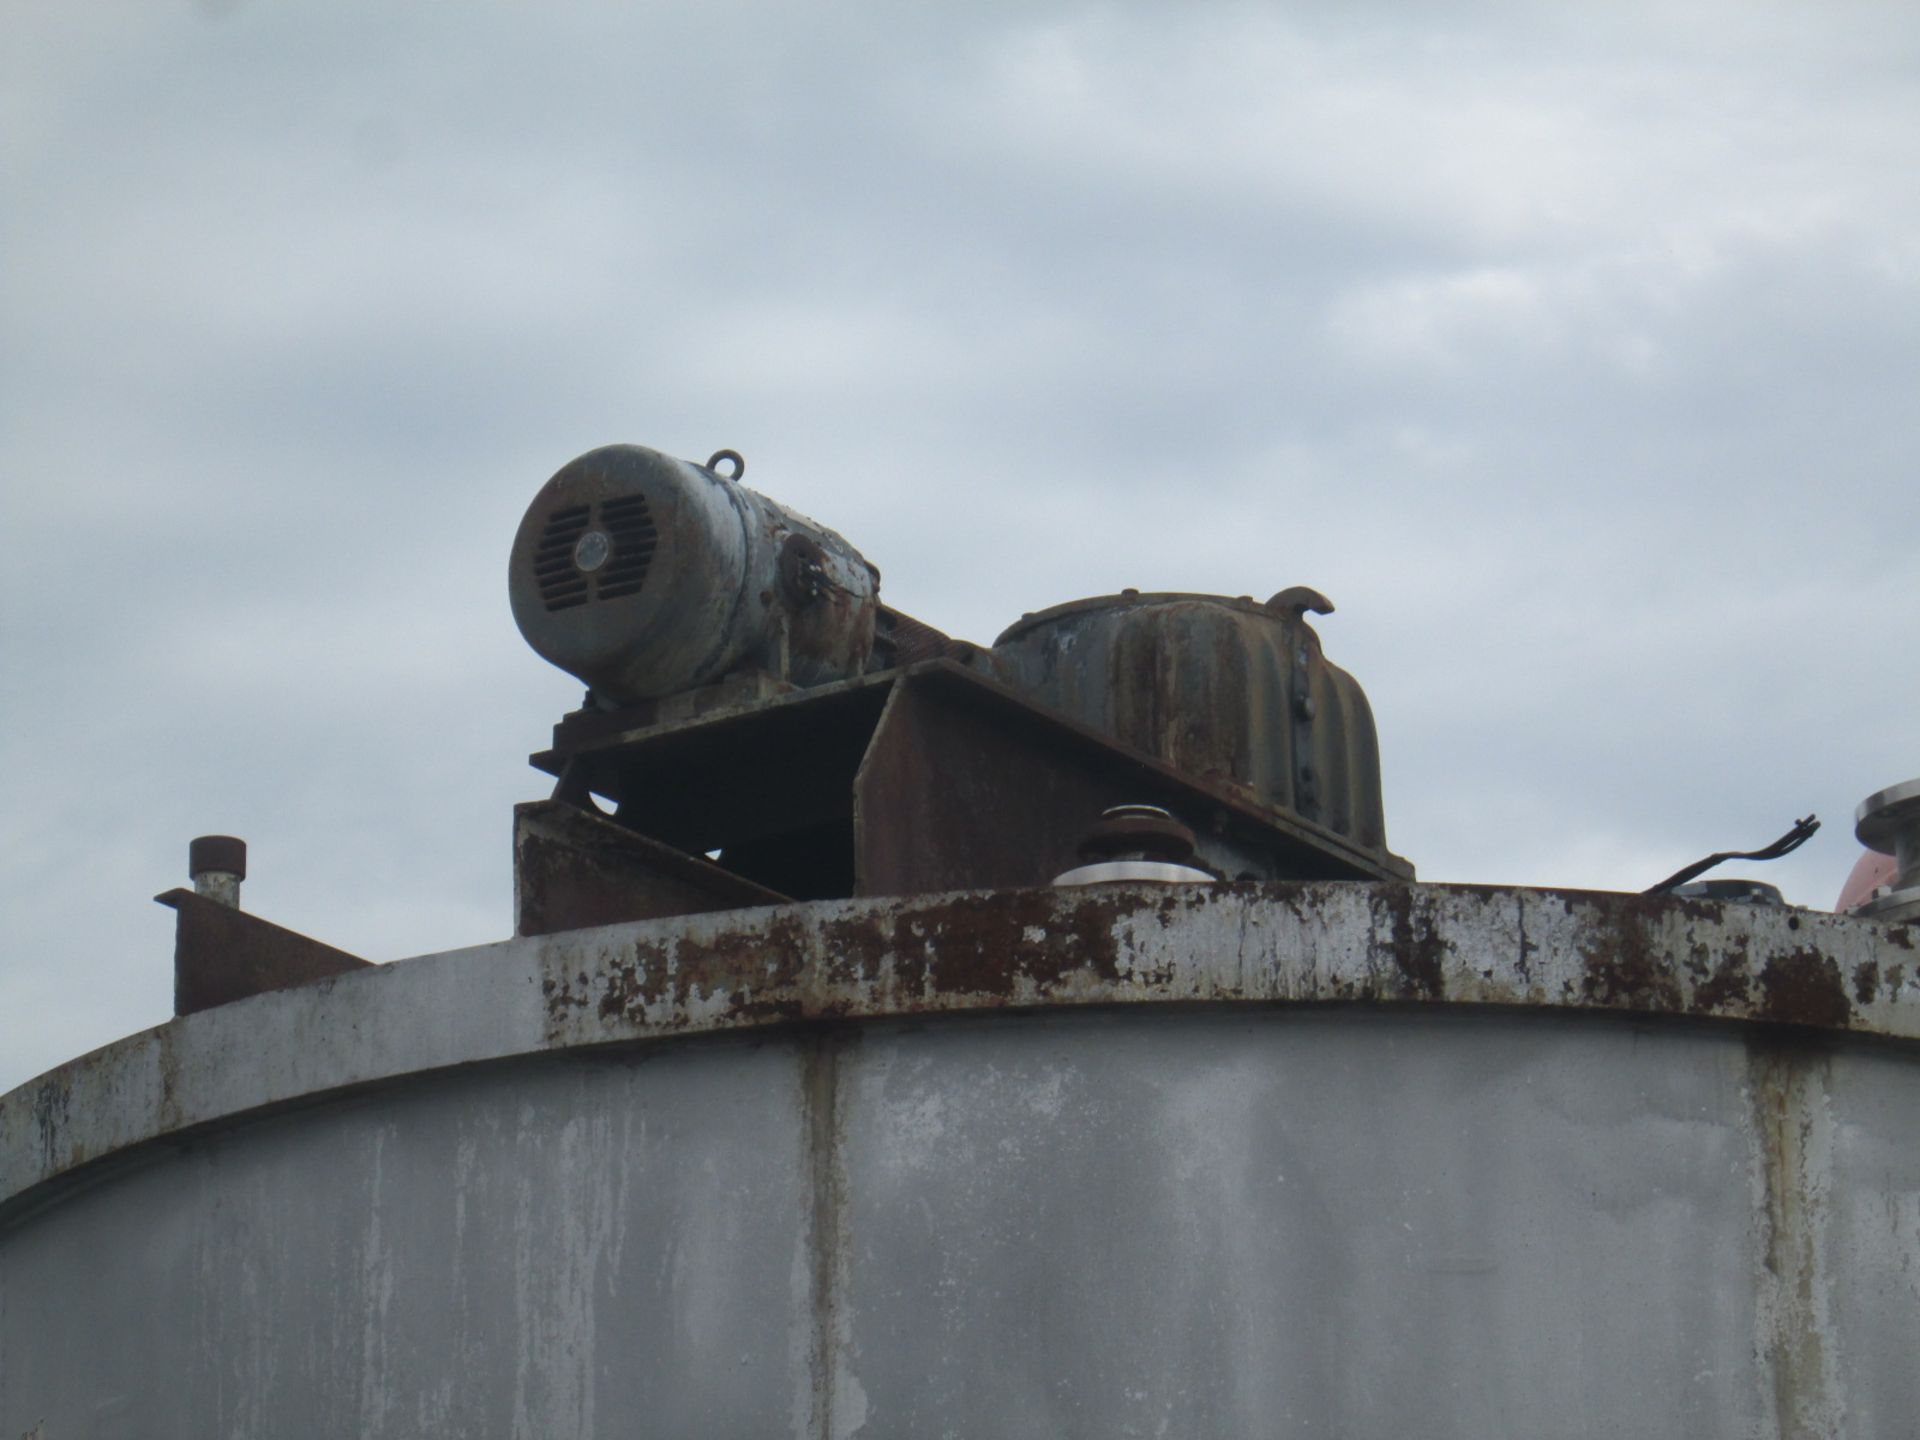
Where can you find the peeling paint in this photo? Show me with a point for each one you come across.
(972, 952)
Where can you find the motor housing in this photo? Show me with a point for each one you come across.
(647, 576)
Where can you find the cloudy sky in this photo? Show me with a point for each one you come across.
(1571, 349)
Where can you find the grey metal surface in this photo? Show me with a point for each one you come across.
(1889, 822)
(1137, 842)
(1860, 1156)
(1108, 872)
(555, 1248)
(1888, 816)
(1084, 1224)
(1015, 1164)
(1898, 907)
(1303, 1225)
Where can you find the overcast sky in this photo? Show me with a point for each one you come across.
(1571, 350)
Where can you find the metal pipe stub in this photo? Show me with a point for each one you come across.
(217, 864)
(1889, 822)
(1137, 842)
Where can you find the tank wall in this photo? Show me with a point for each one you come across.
(543, 1248)
(1295, 1226)
(1862, 1172)
(1223, 1220)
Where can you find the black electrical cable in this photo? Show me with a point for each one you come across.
(1801, 832)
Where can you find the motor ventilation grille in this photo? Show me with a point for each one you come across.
(628, 524)
(562, 584)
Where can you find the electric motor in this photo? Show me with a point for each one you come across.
(647, 576)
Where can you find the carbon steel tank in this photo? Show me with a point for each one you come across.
(1190, 1159)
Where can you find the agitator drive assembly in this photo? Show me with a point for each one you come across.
(760, 728)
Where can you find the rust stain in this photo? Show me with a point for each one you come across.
(826, 1222)
(991, 949)
(1804, 988)
(170, 1117)
(1625, 969)
(1418, 950)
(661, 978)
(994, 949)
(51, 1104)
(561, 998)
(1785, 1083)
(1017, 943)
(1729, 986)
